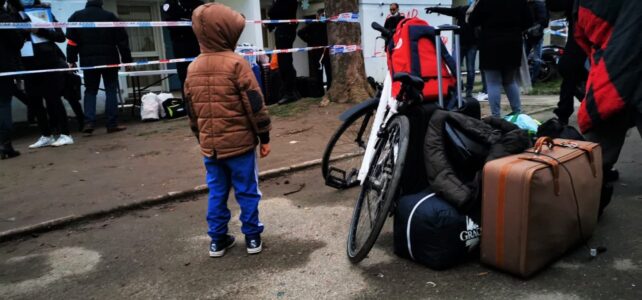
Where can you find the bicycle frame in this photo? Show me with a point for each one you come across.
(388, 105)
(386, 109)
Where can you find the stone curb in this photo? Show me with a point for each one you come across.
(50, 225)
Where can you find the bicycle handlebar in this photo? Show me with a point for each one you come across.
(384, 32)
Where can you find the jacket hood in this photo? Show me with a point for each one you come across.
(217, 27)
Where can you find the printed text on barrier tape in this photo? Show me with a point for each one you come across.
(338, 49)
(344, 17)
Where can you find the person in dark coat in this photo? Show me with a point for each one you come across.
(184, 41)
(12, 41)
(316, 34)
(98, 46)
(284, 36)
(535, 34)
(501, 46)
(48, 86)
(609, 33)
(468, 42)
(571, 65)
(395, 17)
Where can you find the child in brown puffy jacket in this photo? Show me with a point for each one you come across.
(229, 118)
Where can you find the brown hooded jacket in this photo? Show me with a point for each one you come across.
(227, 108)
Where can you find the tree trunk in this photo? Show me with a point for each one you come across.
(349, 83)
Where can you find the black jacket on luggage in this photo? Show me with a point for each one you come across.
(502, 24)
(456, 147)
(97, 46)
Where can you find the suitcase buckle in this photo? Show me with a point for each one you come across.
(570, 145)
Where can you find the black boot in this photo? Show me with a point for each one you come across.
(7, 151)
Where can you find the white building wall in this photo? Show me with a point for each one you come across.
(252, 11)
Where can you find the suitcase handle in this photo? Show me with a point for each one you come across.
(547, 141)
(543, 141)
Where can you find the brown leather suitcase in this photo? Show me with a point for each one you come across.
(535, 203)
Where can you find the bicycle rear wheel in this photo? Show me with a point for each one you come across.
(379, 189)
(344, 152)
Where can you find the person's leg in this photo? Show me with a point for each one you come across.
(218, 182)
(55, 107)
(6, 121)
(22, 96)
(537, 59)
(484, 85)
(92, 82)
(284, 38)
(610, 136)
(245, 180)
(494, 81)
(35, 89)
(511, 87)
(565, 106)
(110, 78)
(181, 70)
(471, 57)
(78, 113)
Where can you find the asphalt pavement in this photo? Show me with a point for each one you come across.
(161, 252)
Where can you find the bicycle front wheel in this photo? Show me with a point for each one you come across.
(348, 144)
(379, 189)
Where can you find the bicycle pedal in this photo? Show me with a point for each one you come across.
(336, 178)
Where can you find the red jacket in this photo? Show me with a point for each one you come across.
(609, 32)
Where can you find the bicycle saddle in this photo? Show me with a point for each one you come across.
(415, 82)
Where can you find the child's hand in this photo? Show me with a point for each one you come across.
(265, 150)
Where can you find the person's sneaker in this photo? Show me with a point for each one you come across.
(254, 244)
(116, 129)
(482, 97)
(218, 248)
(43, 141)
(63, 140)
(89, 129)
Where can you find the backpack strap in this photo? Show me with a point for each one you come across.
(418, 32)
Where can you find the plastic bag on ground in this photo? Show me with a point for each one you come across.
(524, 122)
(162, 97)
(150, 109)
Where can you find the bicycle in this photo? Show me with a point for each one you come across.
(383, 158)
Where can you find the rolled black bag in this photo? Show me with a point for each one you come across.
(431, 232)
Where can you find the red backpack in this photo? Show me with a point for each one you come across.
(413, 51)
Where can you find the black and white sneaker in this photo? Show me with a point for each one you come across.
(254, 244)
(218, 248)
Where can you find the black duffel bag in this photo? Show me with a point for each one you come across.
(431, 232)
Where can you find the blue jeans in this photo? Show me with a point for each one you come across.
(470, 54)
(92, 82)
(6, 122)
(240, 172)
(508, 79)
(537, 58)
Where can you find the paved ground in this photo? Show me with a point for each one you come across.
(147, 160)
(162, 253)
